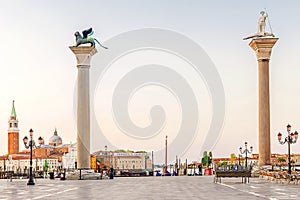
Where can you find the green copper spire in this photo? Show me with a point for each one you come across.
(13, 110)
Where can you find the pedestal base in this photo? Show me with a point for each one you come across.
(84, 175)
(30, 183)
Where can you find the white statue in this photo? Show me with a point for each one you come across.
(262, 23)
(261, 27)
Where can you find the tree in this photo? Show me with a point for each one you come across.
(209, 160)
(205, 159)
(218, 164)
(281, 160)
(292, 161)
(45, 168)
(120, 151)
(232, 158)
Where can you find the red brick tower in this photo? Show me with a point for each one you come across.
(13, 132)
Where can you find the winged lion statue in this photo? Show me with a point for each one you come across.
(86, 38)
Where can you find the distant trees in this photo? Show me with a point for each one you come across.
(129, 151)
(293, 162)
(120, 151)
(281, 160)
(207, 159)
(232, 158)
(224, 163)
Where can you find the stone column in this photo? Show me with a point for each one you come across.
(263, 49)
(83, 55)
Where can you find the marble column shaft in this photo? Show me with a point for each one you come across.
(83, 55)
(263, 49)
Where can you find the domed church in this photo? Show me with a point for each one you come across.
(55, 140)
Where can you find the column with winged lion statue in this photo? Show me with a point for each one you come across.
(84, 55)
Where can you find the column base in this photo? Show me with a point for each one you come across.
(30, 182)
(84, 174)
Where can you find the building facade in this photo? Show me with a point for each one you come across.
(130, 160)
(123, 161)
(53, 156)
(69, 159)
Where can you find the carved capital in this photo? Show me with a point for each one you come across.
(263, 47)
(83, 55)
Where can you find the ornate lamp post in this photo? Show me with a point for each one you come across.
(111, 160)
(4, 165)
(240, 159)
(31, 143)
(246, 151)
(111, 169)
(290, 139)
(106, 159)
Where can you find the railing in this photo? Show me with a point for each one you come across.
(280, 177)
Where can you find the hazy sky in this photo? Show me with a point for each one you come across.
(39, 71)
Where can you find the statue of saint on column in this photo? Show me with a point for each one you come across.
(261, 27)
(262, 23)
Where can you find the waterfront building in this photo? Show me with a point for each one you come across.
(17, 161)
(69, 159)
(124, 162)
(276, 159)
(57, 156)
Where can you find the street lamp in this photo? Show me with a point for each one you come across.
(111, 160)
(240, 159)
(290, 139)
(31, 143)
(246, 151)
(106, 164)
(4, 165)
(111, 170)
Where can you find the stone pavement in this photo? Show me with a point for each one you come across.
(149, 188)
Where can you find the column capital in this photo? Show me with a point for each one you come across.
(263, 47)
(83, 55)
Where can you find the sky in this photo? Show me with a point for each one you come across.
(39, 72)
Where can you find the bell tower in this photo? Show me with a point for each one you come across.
(13, 132)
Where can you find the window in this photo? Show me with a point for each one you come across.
(10, 125)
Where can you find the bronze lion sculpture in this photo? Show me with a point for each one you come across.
(86, 38)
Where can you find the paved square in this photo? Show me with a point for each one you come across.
(149, 188)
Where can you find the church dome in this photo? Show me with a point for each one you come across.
(55, 140)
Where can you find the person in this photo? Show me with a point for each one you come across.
(111, 173)
(262, 23)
